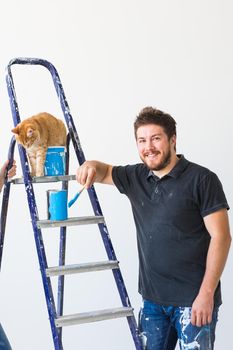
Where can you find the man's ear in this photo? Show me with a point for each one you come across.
(173, 139)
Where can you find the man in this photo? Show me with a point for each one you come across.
(4, 343)
(183, 234)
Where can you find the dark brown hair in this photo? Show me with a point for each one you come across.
(150, 115)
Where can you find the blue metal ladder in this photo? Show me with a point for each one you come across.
(56, 317)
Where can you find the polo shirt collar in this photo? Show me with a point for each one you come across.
(178, 169)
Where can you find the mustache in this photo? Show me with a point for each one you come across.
(166, 159)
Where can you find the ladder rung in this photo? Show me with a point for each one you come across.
(44, 179)
(82, 220)
(79, 268)
(94, 316)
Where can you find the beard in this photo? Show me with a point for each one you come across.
(162, 164)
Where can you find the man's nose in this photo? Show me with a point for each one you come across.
(148, 145)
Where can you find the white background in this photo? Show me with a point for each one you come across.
(114, 58)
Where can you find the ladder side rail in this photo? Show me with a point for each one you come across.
(4, 209)
(116, 272)
(34, 217)
(5, 199)
(62, 246)
(12, 96)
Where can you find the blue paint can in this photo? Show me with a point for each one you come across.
(57, 204)
(55, 161)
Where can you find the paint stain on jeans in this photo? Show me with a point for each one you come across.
(185, 321)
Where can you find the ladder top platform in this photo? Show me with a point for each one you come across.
(82, 220)
(44, 179)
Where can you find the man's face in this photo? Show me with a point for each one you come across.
(154, 147)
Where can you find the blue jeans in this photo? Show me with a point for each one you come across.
(4, 343)
(160, 326)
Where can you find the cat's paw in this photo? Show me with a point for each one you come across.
(39, 173)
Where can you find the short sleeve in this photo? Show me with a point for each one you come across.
(210, 194)
(121, 179)
(128, 179)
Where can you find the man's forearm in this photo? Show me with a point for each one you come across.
(218, 227)
(216, 259)
(101, 170)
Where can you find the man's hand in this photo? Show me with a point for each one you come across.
(202, 310)
(86, 174)
(10, 174)
(94, 171)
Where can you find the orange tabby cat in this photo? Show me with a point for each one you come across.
(36, 134)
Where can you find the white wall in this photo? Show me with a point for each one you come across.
(113, 57)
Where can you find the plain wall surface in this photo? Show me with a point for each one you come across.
(113, 58)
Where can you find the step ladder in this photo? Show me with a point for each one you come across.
(56, 317)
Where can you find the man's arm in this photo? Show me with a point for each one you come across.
(94, 171)
(217, 225)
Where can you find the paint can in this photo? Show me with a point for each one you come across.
(57, 204)
(55, 161)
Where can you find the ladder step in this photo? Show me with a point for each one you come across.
(44, 179)
(94, 316)
(82, 220)
(79, 268)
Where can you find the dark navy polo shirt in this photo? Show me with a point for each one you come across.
(171, 235)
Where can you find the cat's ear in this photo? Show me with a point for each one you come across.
(15, 130)
(30, 132)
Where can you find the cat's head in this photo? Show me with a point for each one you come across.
(26, 134)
